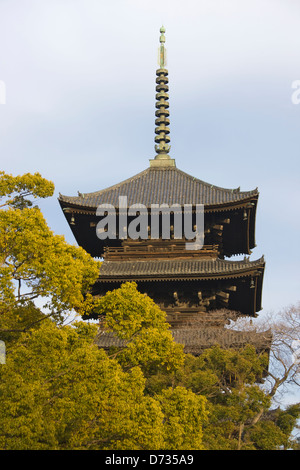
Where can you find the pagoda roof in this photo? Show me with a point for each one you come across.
(176, 269)
(195, 340)
(160, 185)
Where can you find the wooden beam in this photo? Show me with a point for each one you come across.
(211, 297)
(231, 288)
(218, 227)
(223, 295)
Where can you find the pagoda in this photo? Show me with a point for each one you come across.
(200, 289)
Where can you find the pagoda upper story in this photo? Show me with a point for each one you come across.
(229, 213)
(181, 281)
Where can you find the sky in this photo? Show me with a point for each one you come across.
(79, 107)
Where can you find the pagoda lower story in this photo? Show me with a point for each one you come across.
(200, 293)
(185, 284)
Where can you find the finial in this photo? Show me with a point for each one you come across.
(162, 36)
(162, 131)
(162, 53)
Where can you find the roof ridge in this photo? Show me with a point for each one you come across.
(161, 185)
(185, 260)
(212, 186)
(160, 169)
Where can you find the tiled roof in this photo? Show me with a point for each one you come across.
(195, 340)
(161, 186)
(175, 268)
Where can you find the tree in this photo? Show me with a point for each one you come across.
(284, 361)
(239, 406)
(285, 352)
(184, 416)
(59, 391)
(35, 263)
(18, 189)
(275, 429)
(283, 369)
(227, 378)
(136, 319)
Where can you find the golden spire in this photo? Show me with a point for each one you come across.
(162, 57)
(162, 121)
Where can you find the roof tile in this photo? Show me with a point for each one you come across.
(175, 267)
(161, 186)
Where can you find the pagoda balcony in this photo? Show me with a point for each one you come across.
(158, 249)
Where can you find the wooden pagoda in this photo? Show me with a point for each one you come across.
(194, 287)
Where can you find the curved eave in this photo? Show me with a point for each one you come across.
(195, 341)
(72, 205)
(254, 267)
(162, 186)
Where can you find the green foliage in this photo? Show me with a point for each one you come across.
(184, 414)
(58, 390)
(275, 429)
(35, 263)
(41, 262)
(234, 368)
(227, 378)
(14, 321)
(152, 350)
(134, 317)
(127, 311)
(267, 436)
(19, 188)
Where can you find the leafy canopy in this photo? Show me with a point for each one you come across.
(136, 319)
(58, 390)
(35, 263)
(19, 188)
